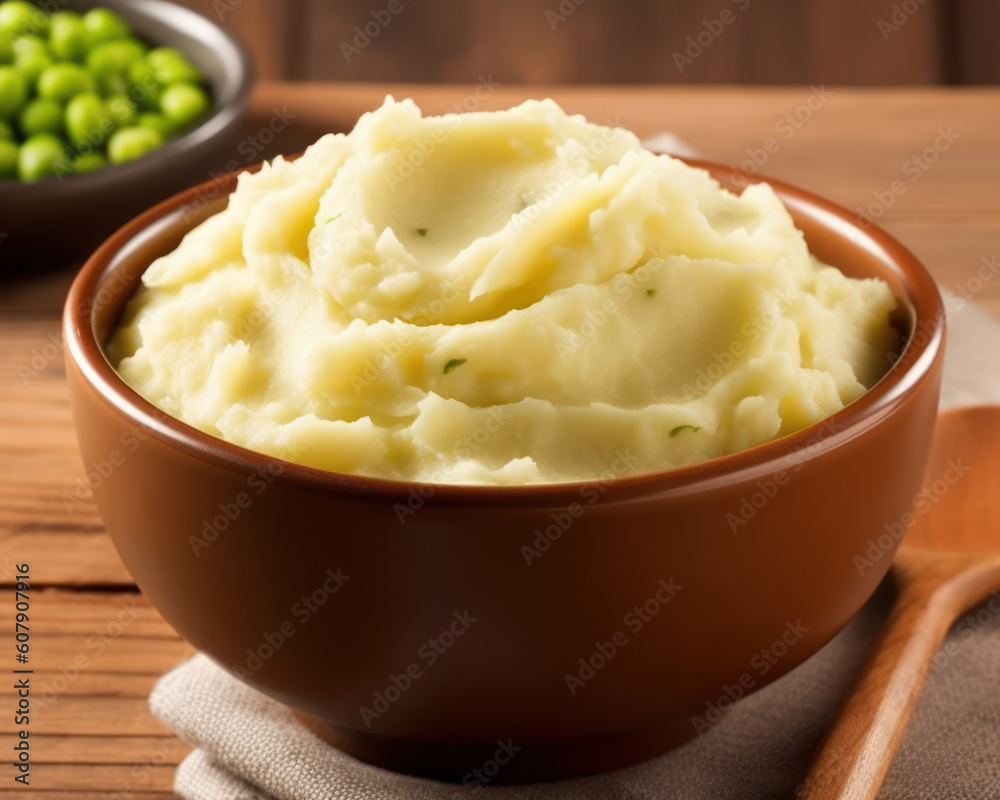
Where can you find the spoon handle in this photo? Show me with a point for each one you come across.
(857, 751)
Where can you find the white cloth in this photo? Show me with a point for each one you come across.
(249, 747)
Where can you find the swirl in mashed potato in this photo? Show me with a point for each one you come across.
(499, 297)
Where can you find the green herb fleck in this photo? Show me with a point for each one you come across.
(455, 362)
(651, 292)
(335, 216)
(422, 231)
(679, 428)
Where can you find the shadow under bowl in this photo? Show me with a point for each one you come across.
(420, 640)
(64, 218)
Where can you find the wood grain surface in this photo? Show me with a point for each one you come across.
(93, 736)
(849, 42)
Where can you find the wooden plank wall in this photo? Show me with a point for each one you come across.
(973, 46)
(847, 42)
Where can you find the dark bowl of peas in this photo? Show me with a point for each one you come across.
(106, 108)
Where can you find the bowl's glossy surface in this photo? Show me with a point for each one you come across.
(60, 219)
(425, 623)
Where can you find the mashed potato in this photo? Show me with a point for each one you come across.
(508, 297)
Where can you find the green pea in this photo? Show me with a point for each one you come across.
(89, 162)
(18, 18)
(41, 156)
(6, 131)
(105, 25)
(6, 49)
(183, 103)
(88, 123)
(13, 92)
(157, 122)
(68, 37)
(121, 109)
(127, 144)
(145, 87)
(8, 160)
(61, 81)
(30, 44)
(171, 65)
(109, 63)
(31, 64)
(41, 116)
(141, 74)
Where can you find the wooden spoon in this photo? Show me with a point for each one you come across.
(948, 563)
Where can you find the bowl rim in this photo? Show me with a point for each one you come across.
(226, 109)
(914, 366)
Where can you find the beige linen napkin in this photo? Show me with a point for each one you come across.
(250, 748)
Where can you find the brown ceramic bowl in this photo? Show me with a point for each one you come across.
(267, 596)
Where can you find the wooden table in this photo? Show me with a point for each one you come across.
(926, 161)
